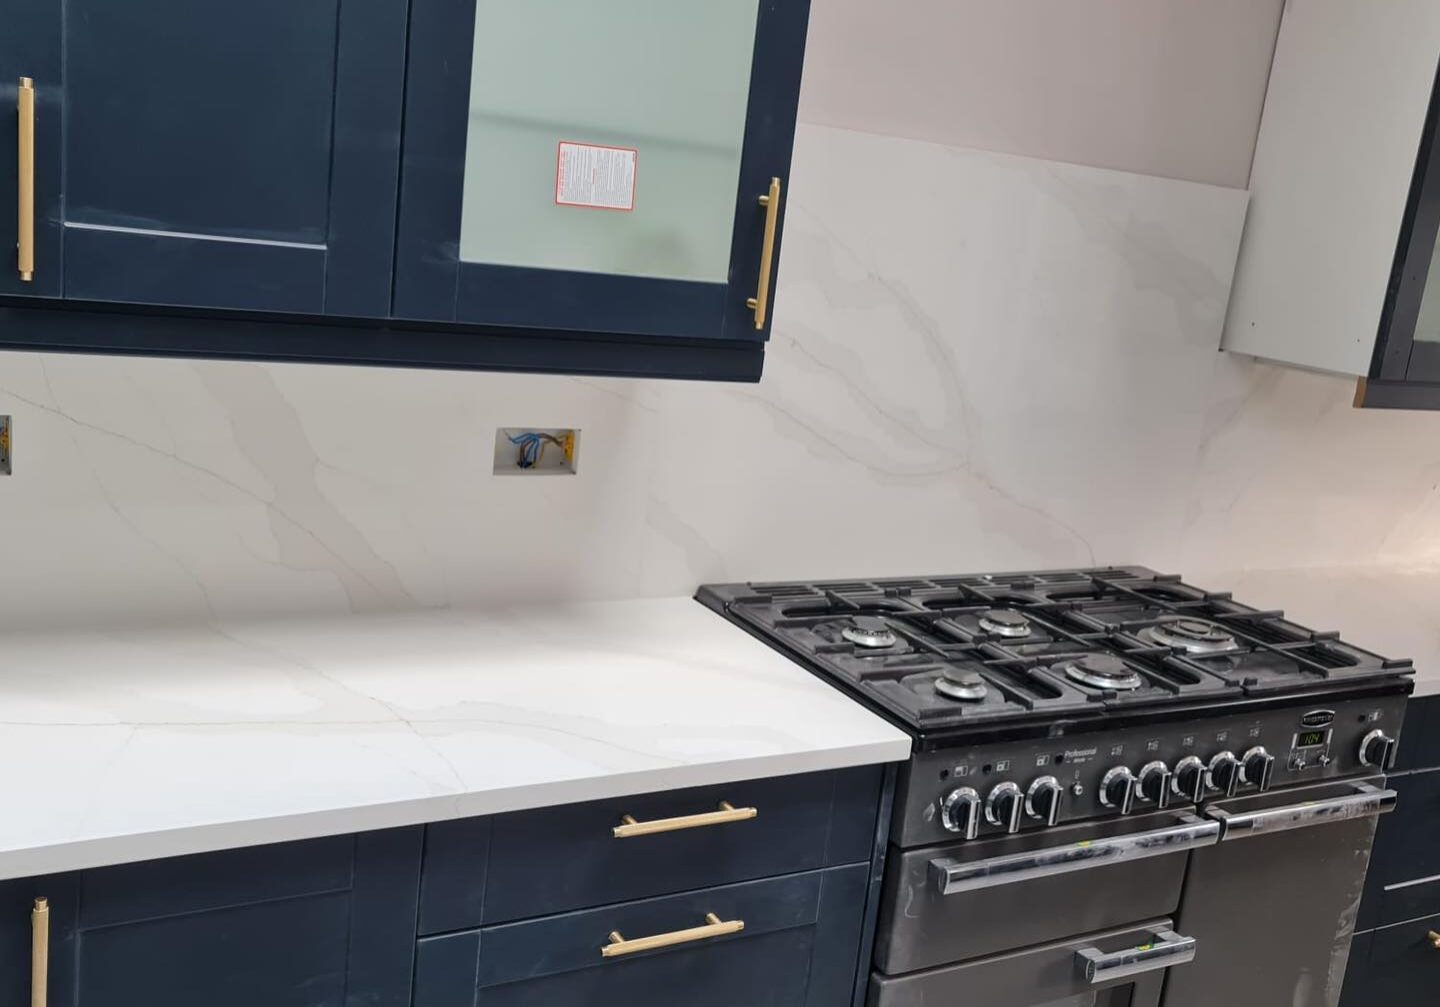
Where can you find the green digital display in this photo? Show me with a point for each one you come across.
(1309, 739)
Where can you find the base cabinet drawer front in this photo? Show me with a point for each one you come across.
(1395, 966)
(538, 863)
(921, 928)
(1048, 976)
(320, 923)
(1403, 882)
(798, 947)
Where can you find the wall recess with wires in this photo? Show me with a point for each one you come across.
(551, 451)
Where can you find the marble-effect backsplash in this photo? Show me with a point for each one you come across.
(980, 362)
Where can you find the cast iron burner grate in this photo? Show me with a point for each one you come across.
(971, 649)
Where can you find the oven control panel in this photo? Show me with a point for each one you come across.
(1004, 787)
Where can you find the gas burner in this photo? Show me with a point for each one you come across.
(870, 632)
(1194, 636)
(1102, 671)
(966, 686)
(1004, 622)
(1111, 641)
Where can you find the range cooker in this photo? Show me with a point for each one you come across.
(1124, 791)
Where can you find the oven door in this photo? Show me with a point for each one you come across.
(1116, 968)
(951, 903)
(1274, 902)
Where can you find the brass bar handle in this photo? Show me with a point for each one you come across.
(25, 218)
(760, 303)
(39, 952)
(714, 927)
(629, 827)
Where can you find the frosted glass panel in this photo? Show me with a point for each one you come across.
(1427, 326)
(641, 104)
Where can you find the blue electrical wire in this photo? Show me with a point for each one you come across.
(532, 447)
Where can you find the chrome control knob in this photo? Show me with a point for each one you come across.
(1377, 749)
(1042, 800)
(1223, 774)
(960, 812)
(1117, 789)
(1155, 783)
(1003, 806)
(1257, 767)
(1189, 779)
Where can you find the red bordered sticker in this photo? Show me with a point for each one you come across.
(595, 176)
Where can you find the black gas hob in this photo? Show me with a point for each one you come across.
(946, 653)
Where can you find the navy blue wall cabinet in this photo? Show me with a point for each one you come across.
(77, 328)
(676, 118)
(404, 184)
(217, 156)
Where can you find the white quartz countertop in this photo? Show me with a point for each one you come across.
(130, 744)
(1391, 610)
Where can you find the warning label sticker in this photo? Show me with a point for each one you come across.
(599, 177)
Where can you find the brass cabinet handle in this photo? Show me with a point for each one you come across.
(630, 827)
(1434, 938)
(39, 952)
(25, 217)
(714, 927)
(760, 303)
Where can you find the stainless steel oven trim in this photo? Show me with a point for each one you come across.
(1166, 949)
(1190, 832)
(1366, 801)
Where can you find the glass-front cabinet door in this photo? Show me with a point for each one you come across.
(1405, 370)
(597, 166)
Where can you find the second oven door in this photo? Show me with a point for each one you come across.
(1124, 967)
(953, 902)
(1274, 902)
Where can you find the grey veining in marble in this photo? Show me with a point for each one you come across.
(147, 742)
(1008, 363)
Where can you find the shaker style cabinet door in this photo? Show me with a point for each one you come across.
(320, 923)
(207, 155)
(597, 167)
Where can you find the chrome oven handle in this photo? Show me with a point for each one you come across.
(1367, 801)
(1167, 949)
(1190, 832)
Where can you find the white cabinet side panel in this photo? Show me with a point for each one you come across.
(1343, 116)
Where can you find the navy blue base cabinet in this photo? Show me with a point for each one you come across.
(1395, 959)
(798, 947)
(426, 183)
(754, 893)
(321, 923)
